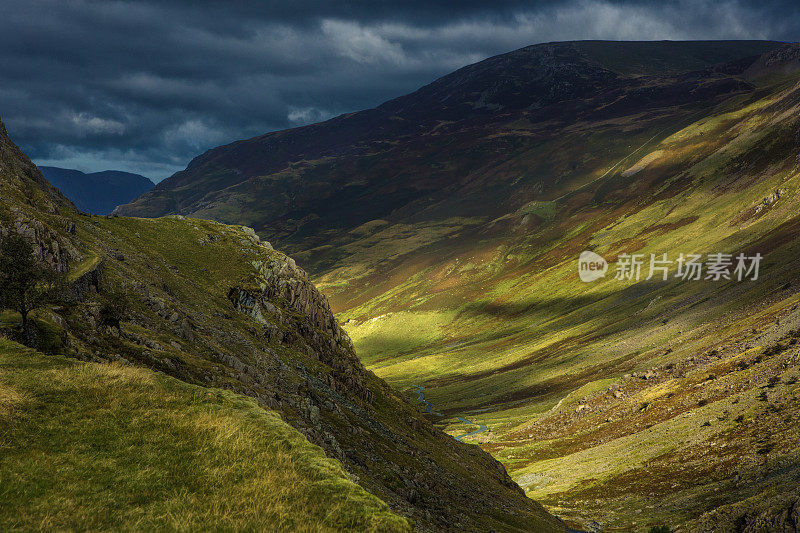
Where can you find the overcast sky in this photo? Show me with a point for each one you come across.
(146, 86)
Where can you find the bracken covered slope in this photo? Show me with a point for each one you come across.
(213, 305)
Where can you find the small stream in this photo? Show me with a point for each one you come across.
(421, 398)
(429, 409)
(481, 428)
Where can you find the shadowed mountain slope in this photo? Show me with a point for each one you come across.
(469, 144)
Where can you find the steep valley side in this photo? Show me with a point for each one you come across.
(213, 305)
(445, 228)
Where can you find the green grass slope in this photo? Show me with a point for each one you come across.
(93, 446)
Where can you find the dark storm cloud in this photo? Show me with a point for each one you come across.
(146, 86)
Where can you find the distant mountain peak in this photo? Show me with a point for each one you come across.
(97, 192)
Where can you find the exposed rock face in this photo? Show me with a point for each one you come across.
(281, 281)
(784, 60)
(90, 282)
(51, 248)
(27, 195)
(787, 521)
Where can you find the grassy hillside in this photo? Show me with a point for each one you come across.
(213, 305)
(97, 446)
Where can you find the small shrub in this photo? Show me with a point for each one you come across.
(115, 309)
(765, 449)
(26, 284)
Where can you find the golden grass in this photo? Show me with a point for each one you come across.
(109, 447)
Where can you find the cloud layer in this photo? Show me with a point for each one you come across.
(145, 86)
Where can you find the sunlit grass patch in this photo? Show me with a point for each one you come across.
(398, 333)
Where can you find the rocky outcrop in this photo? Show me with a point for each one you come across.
(90, 282)
(50, 247)
(26, 197)
(280, 284)
(784, 60)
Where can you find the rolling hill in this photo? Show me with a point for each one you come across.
(445, 226)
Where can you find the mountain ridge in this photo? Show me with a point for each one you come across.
(362, 135)
(98, 193)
